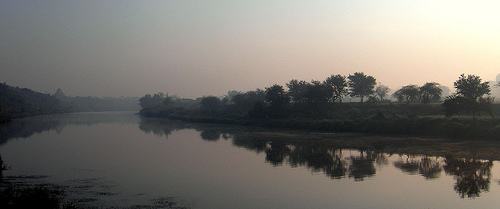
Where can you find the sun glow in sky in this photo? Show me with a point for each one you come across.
(197, 48)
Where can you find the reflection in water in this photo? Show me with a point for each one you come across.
(335, 161)
(472, 175)
(428, 167)
(26, 127)
(362, 166)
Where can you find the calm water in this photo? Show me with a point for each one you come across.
(118, 159)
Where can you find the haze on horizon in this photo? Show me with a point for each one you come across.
(197, 48)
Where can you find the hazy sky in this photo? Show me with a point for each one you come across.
(196, 48)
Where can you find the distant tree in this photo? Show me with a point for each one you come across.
(246, 101)
(297, 90)
(408, 93)
(381, 91)
(318, 92)
(361, 85)
(339, 85)
(148, 101)
(469, 96)
(210, 104)
(276, 96)
(231, 94)
(471, 87)
(430, 92)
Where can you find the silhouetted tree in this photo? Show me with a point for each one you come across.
(318, 92)
(230, 95)
(148, 101)
(277, 97)
(297, 90)
(467, 99)
(361, 85)
(210, 104)
(430, 92)
(339, 85)
(408, 93)
(246, 101)
(471, 87)
(381, 91)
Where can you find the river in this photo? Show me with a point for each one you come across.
(117, 159)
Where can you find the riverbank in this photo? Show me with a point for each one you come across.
(450, 128)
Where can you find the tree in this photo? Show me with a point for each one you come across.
(339, 85)
(469, 96)
(231, 94)
(318, 92)
(430, 92)
(382, 91)
(471, 87)
(297, 90)
(277, 96)
(246, 101)
(148, 101)
(210, 104)
(408, 93)
(361, 85)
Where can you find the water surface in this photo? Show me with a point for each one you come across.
(121, 160)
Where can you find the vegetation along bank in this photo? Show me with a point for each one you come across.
(469, 113)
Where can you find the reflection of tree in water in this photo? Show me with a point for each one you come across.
(210, 134)
(159, 127)
(362, 166)
(319, 158)
(473, 176)
(257, 145)
(409, 165)
(26, 127)
(428, 167)
(277, 152)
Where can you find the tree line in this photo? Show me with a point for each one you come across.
(319, 99)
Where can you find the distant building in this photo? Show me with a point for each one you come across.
(59, 94)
